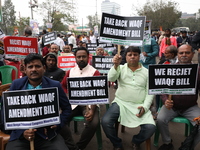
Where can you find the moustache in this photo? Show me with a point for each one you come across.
(34, 73)
(184, 57)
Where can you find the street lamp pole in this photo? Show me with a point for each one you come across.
(33, 6)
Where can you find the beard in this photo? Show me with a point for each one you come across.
(82, 64)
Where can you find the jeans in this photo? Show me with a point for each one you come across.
(111, 117)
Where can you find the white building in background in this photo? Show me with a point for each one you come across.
(197, 15)
(110, 7)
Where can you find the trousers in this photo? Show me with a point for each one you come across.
(111, 117)
(165, 115)
(88, 132)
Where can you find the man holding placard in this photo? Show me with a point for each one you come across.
(184, 105)
(83, 69)
(132, 102)
(45, 137)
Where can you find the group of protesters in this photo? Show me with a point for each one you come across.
(131, 105)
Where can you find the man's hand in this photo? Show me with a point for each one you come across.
(198, 50)
(197, 120)
(145, 54)
(141, 111)
(89, 115)
(53, 127)
(29, 134)
(117, 60)
(169, 104)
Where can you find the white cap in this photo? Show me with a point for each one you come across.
(69, 33)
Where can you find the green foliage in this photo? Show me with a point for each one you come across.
(163, 14)
(58, 13)
(93, 21)
(192, 23)
(8, 15)
(22, 23)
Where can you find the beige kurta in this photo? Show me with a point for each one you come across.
(132, 92)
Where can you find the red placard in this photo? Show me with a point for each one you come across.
(66, 62)
(19, 47)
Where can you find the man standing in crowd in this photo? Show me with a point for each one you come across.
(184, 105)
(52, 70)
(150, 53)
(166, 41)
(128, 108)
(84, 39)
(28, 32)
(170, 55)
(83, 69)
(71, 40)
(100, 51)
(45, 138)
(183, 39)
(93, 39)
(196, 44)
(59, 41)
(54, 48)
(67, 49)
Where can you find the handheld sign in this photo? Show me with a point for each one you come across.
(91, 47)
(107, 47)
(66, 62)
(102, 63)
(122, 30)
(49, 38)
(30, 109)
(173, 79)
(88, 90)
(19, 47)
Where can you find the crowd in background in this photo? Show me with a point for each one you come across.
(164, 48)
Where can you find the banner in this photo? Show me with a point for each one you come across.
(102, 63)
(66, 62)
(122, 30)
(35, 26)
(173, 79)
(88, 90)
(20, 47)
(91, 47)
(49, 38)
(30, 109)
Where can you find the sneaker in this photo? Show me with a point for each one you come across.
(135, 146)
(166, 147)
